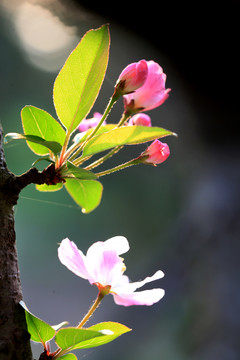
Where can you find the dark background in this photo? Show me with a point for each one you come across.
(181, 217)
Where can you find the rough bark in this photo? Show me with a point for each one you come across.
(14, 337)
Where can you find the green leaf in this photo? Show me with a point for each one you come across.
(68, 357)
(45, 158)
(86, 193)
(80, 173)
(112, 330)
(49, 188)
(54, 146)
(72, 338)
(82, 136)
(39, 330)
(58, 326)
(40, 123)
(79, 81)
(127, 135)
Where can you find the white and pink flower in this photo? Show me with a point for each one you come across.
(103, 267)
(87, 124)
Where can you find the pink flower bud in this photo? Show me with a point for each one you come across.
(152, 94)
(140, 119)
(87, 124)
(156, 153)
(132, 78)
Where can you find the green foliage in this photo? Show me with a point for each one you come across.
(43, 145)
(86, 193)
(50, 188)
(72, 338)
(127, 135)
(39, 330)
(74, 93)
(80, 173)
(78, 83)
(39, 123)
(114, 329)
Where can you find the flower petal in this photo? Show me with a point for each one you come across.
(103, 263)
(146, 297)
(153, 92)
(72, 258)
(129, 288)
(118, 244)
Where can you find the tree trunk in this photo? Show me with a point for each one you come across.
(14, 337)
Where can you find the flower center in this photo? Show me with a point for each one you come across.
(103, 290)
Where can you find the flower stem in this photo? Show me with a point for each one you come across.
(124, 118)
(112, 152)
(103, 158)
(119, 167)
(91, 310)
(105, 114)
(59, 352)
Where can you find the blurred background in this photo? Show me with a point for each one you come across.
(181, 217)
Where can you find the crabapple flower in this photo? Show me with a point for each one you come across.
(152, 94)
(140, 119)
(103, 267)
(156, 153)
(87, 124)
(132, 78)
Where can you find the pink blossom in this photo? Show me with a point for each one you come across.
(103, 267)
(140, 119)
(132, 78)
(156, 153)
(87, 124)
(152, 94)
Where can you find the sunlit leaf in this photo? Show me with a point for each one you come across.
(86, 193)
(112, 330)
(79, 81)
(39, 330)
(127, 135)
(54, 146)
(49, 188)
(44, 158)
(73, 338)
(59, 326)
(80, 173)
(97, 335)
(38, 122)
(82, 136)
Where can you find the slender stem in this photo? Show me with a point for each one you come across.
(81, 160)
(119, 167)
(105, 114)
(91, 310)
(103, 158)
(124, 118)
(62, 155)
(59, 352)
(72, 149)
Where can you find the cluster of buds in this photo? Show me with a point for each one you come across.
(142, 85)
